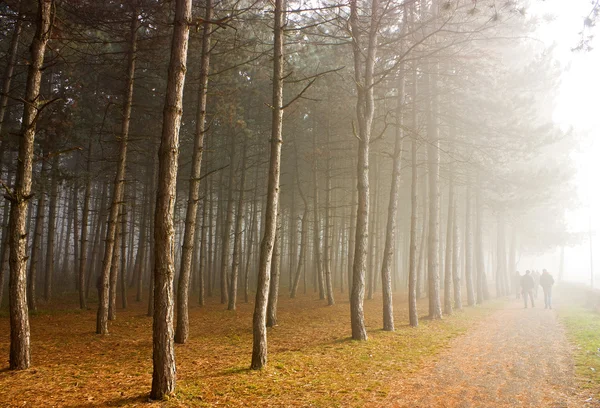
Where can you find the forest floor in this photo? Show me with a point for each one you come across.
(497, 354)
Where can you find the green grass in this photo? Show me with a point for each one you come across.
(583, 330)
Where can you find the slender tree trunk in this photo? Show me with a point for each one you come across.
(433, 156)
(455, 270)
(351, 245)
(100, 232)
(114, 269)
(301, 253)
(365, 110)
(124, 257)
(51, 231)
(317, 223)
(164, 373)
(390, 234)
(328, 227)
(412, 261)
(142, 244)
(237, 238)
(20, 356)
(226, 248)
(469, 248)
(275, 275)
(423, 247)
(203, 242)
(259, 329)
(449, 247)
(182, 331)
(36, 251)
(482, 293)
(119, 183)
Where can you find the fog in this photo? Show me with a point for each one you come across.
(159, 158)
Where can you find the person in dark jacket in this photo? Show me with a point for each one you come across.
(546, 282)
(527, 285)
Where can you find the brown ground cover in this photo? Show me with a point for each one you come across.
(312, 361)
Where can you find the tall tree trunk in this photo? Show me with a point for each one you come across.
(36, 251)
(164, 373)
(469, 248)
(20, 356)
(226, 241)
(203, 243)
(49, 273)
(482, 291)
(455, 270)
(412, 261)
(421, 269)
(392, 216)
(259, 328)
(114, 268)
(275, 275)
(142, 244)
(433, 156)
(365, 110)
(76, 248)
(124, 257)
(327, 232)
(182, 330)
(237, 238)
(501, 275)
(449, 247)
(317, 222)
(301, 253)
(119, 183)
(100, 232)
(352, 235)
(253, 229)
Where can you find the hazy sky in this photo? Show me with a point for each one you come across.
(576, 107)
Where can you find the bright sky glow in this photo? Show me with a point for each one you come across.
(577, 107)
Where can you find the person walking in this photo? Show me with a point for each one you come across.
(546, 282)
(527, 285)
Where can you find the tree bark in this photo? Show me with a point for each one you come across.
(365, 109)
(449, 247)
(119, 183)
(20, 356)
(390, 233)
(328, 227)
(469, 248)
(182, 331)
(275, 276)
(237, 238)
(163, 355)
(259, 329)
(51, 230)
(36, 251)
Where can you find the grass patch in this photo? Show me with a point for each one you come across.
(583, 330)
(312, 360)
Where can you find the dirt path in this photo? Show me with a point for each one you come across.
(515, 358)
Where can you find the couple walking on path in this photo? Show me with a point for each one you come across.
(528, 284)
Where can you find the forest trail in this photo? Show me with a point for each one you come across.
(515, 358)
